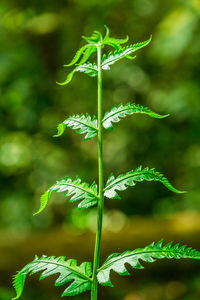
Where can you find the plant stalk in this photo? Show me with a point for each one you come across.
(101, 180)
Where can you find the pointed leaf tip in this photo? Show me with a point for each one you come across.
(164, 116)
(44, 199)
(68, 79)
(61, 129)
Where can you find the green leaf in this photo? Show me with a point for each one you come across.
(116, 262)
(77, 190)
(116, 43)
(121, 53)
(94, 38)
(121, 111)
(87, 54)
(122, 182)
(77, 55)
(84, 124)
(87, 68)
(91, 69)
(68, 270)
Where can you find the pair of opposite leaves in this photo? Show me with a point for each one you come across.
(88, 194)
(81, 276)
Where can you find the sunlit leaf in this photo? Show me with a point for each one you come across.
(87, 54)
(83, 124)
(78, 55)
(87, 68)
(116, 43)
(122, 182)
(121, 111)
(113, 57)
(68, 271)
(116, 262)
(76, 189)
(94, 38)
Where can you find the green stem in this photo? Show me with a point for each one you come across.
(101, 181)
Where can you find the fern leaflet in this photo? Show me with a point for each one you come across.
(91, 69)
(121, 53)
(84, 124)
(69, 271)
(121, 111)
(121, 182)
(94, 38)
(87, 68)
(116, 43)
(77, 55)
(150, 253)
(79, 191)
(89, 51)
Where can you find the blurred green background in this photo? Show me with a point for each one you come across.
(36, 39)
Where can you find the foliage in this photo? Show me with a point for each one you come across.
(121, 111)
(150, 253)
(107, 60)
(85, 277)
(79, 191)
(84, 124)
(129, 179)
(124, 52)
(69, 271)
(88, 125)
(87, 68)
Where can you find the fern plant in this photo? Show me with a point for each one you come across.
(85, 276)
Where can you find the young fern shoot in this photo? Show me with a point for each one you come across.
(81, 278)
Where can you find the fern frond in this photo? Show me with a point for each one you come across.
(89, 51)
(116, 43)
(121, 111)
(68, 270)
(87, 68)
(94, 38)
(121, 53)
(150, 253)
(84, 123)
(77, 55)
(76, 189)
(122, 182)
